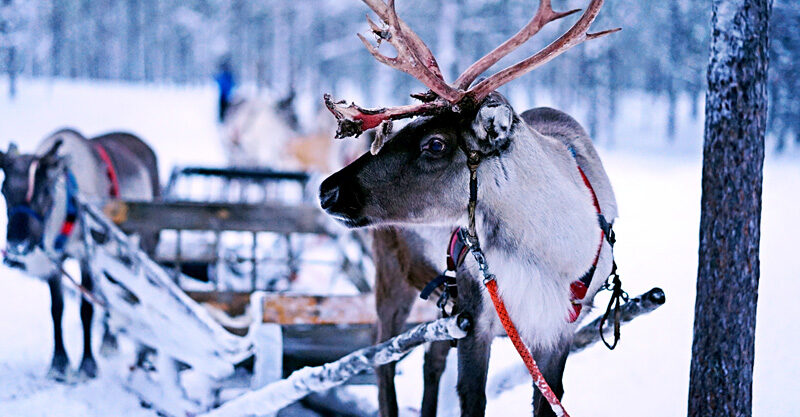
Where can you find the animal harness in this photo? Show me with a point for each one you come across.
(466, 240)
(72, 190)
(111, 173)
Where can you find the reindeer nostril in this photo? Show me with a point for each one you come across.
(327, 198)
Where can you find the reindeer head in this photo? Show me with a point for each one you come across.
(420, 175)
(27, 188)
(422, 163)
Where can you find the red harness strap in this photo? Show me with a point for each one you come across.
(523, 351)
(579, 287)
(110, 172)
(578, 291)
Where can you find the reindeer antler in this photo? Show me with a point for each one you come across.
(416, 59)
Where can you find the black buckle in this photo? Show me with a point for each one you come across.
(432, 285)
(607, 229)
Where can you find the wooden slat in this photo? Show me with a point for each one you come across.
(341, 309)
(233, 303)
(137, 216)
(294, 309)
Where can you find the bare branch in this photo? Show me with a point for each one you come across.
(589, 334)
(279, 394)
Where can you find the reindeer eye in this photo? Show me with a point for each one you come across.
(435, 146)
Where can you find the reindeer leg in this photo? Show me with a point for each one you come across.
(551, 363)
(88, 367)
(109, 346)
(435, 361)
(393, 298)
(473, 352)
(59, 367)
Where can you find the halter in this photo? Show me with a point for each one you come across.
(25, 208)
(68, 225)
(466, 240)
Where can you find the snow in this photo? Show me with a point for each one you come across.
(658, 191)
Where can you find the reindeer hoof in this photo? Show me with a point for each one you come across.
(109, 347)
(59, 369)
(88, 368)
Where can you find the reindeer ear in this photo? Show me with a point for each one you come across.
(12, 152)
(494, 124)
(50, 158)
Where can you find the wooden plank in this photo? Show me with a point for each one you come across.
(287, 309)
(139, 216)
(298, 309)
(233, 303)
(246, 173)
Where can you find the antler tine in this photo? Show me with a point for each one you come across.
(544, 15)
(388, 13)
(413, 56)
(353, 120)
(574, 36)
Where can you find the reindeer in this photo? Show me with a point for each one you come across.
(255, 132)
(529, 188)
(260, 133)
(43, 217)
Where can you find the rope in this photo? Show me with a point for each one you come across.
(527, 358)
(87, 294)
(614, 303)
(472, 241)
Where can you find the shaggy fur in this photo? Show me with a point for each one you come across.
(535, 218)
(31, 242)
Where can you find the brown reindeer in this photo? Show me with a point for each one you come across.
(541, 208)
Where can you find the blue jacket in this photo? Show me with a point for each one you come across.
(226, 84)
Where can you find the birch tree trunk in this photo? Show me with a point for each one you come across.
(730, 222)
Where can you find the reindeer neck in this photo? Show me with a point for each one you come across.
(534, 208)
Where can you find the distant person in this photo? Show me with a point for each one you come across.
(226, 83)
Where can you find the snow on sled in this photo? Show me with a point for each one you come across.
(230, 331)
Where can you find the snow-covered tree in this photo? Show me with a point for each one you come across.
(721, 376)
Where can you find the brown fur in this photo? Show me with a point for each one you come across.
(401, 271)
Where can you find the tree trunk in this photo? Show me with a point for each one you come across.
(133, 68)
(730, 222)
(676, 49)
(672, 110)
(11, 64)
(11, 50)
(58, 41)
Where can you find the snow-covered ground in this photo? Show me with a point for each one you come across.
(659, 198)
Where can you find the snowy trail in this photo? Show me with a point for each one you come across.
(659, 200)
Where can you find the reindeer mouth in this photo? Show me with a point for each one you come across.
(351, 222)
(344, 201)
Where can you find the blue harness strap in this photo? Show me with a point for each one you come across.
(26, 210)
(72, 213)
(69, 221)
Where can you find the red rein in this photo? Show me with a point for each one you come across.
(508, 325)
(523, 351)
